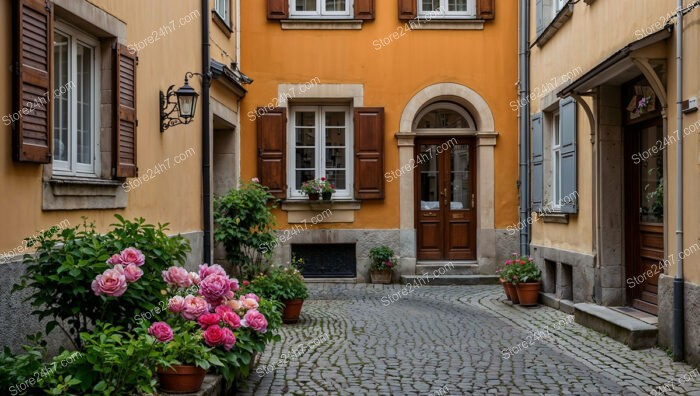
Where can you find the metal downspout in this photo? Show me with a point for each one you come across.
(524, 124)
(678, 303)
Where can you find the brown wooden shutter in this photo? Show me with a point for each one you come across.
(486, 9)
(272, 150)
(125, 121)
(277, 9)
(408, 9)
(364, 9)
(33, 50)
(369, 153)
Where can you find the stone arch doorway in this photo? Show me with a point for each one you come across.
(475, 129)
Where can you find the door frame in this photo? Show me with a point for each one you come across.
(444, 212)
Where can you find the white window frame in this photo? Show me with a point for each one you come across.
(321, 11)
(72, 167)
(224, 13)
(556, 153)
(320, 145)
(443, 13)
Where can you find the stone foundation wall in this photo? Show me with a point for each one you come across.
(555, 276)
(692, 318)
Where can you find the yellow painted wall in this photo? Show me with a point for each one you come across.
(174, 196)
(593, 33)
(485, 61)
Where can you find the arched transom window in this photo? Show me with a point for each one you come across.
(444, 115)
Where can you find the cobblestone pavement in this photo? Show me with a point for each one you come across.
(452, 340)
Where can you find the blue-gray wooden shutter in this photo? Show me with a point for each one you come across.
(540, 17)
(567, 120)
(537, 174)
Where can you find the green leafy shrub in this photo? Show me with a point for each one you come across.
(383, 258)
(244, 224)
(281, 284)
(59, 275)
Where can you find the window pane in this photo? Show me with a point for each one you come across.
(61, 143)
(306, 5)
(429, 180)
(84, 104)
(335, 137)
(335, 118)
(457, 5)
(430, 5)
(336, 5)
(651, 177)
(306, 137)
(557, 180)
(337, 178)
(460, 177)
(443, 118)
(335, 158)
(305, 118)
(304, 175)
(306, 158)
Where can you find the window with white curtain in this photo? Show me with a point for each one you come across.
(75, 102)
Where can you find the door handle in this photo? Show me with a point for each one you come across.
(444, 195)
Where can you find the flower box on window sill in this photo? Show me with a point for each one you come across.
(422, 23)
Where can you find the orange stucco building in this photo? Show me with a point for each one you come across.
(408, 111)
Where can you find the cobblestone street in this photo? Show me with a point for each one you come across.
(452, 340)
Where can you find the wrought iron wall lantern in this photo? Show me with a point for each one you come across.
(178, 107)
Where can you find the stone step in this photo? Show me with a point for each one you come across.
(447, 267)
(630, 331)
(448, 280)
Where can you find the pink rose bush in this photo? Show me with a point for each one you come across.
(111, 283)
(194, 307)
(178, 277)
(255, 320)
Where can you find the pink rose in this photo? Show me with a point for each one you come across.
(255, 180)
(194, 277)
(229, 317)
(214, 336)
(233, 284)
(206, 270)
(132, 273)
(161, 331)
(214, 288)
(177, 276)
(209, 319)
(194, 307)
(132, 255)
(176, 304)
(115, 259)
(253, 296)
(255, 320)
(112, 282)
(249, 303)
(229, 339)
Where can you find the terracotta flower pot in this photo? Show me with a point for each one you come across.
(292, 310)
(528, 293)
(314, 197)
(326, 196)
(180, 379)
(505, 288)
(512, 292)
(381, 276)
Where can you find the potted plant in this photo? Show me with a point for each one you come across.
(527, 277)
(184, 359)
(384, 262)
(504, 275)
(283, 284)
(312, 189)
(327, 189)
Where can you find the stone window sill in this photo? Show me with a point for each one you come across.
(554, 26)
(561, 218)
(314, 212)
(446, 24)
(321, 24)
(59, 193)
(221, 23)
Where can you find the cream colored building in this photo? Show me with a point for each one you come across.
(603, 157)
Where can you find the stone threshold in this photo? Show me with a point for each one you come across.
(626, 329)
(551, 300)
